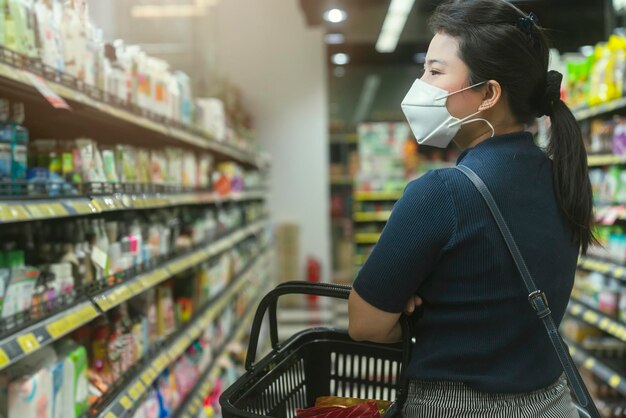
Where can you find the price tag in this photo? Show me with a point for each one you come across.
(618, 272)
(12, 212)
(110, 415)
(50, 95)
(82, 208)
(135, 287)
(604, 324)
(58, 328)
(147, 377)
(589, 363)
(28, 342)
(576, 309)
(4, 359)
(614, 381)
(126, 403)
(137, 390)
(99, 257)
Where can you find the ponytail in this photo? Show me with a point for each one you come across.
(571, 174)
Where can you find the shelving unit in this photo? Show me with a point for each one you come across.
(97, 115)
(40, 209)
(615, 271)
(362, 196)
(342, 146)
(603, 322)
(131, 393)
(372, 216)
(103, 118)
(589, 112)
(50, 329)
(193, 403)
(608, 373)
(600, 160)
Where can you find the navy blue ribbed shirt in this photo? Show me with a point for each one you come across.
(442, 243)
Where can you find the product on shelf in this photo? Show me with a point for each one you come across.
(79, 371)
(594, 76)
(48, 267)
(61, 35)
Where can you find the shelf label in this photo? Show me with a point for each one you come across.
(50, 95)
(614, 381)
(126, 403)
(4, 359)
(13, 212)
(82, 208)
(28, 342)
(137, 390)
(589, 363)
(57, 329)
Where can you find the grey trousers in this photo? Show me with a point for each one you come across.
(456, 400)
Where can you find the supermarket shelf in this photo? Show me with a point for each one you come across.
(27, 210)
(600, 160)
(366, 238)
(374, 196)
(26, 341)
(372, 216)
(359, 260)
(589, 112)
(128, 398)
(608, 214)
(86, 108)
(348, 139)
(608, 374)
(615, 271)
(605, 323)
(341, 181)
(191, 406)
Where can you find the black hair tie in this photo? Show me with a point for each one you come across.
(553, 92)
(526, 23)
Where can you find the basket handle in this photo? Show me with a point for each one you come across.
(270, 301)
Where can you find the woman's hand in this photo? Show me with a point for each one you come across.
(413, 303)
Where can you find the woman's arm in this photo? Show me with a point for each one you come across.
(368, 323)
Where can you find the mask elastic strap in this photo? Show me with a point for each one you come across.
(460, 91)
(467, 120)
(493, 131)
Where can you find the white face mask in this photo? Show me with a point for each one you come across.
(425, 108)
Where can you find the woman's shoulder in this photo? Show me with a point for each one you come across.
(433, 181)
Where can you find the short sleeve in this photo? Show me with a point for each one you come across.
(421, 225)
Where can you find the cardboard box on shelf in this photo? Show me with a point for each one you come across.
(288, 252)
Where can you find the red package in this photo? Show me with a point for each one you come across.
(364, 410)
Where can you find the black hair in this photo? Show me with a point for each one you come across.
(497, 41)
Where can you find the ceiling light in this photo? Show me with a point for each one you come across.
(335, 15)
(334, 38)
(395, 20)
(340, 59)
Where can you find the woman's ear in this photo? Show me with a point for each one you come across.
(491, 95)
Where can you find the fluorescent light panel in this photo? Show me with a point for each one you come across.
(395, 20)
(151, 11)
(368, 94)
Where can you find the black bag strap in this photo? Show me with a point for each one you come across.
(536, 297)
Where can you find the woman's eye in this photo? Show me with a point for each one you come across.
(434, 72)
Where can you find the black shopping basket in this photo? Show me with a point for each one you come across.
(313, 363)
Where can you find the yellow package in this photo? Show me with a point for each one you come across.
(347, 402)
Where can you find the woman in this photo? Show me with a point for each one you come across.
(480, 350)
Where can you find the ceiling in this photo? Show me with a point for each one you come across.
(396, 71)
